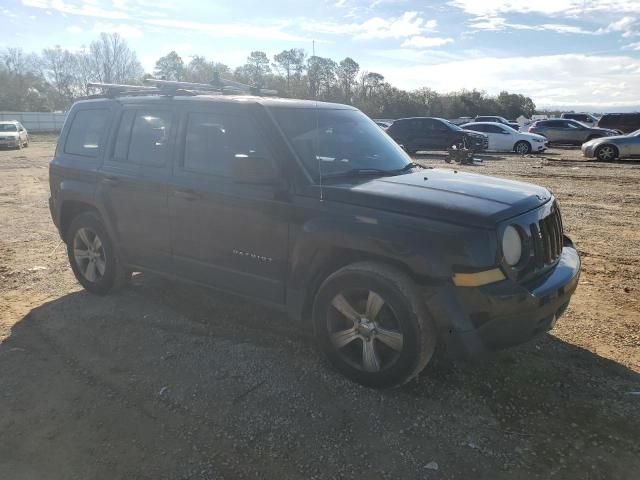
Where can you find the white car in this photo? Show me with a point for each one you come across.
(505, 139)
(13, 134)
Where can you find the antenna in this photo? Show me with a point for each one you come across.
(315, 94)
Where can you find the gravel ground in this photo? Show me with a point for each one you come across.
(164, 380)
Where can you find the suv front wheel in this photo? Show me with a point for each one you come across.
(92, 256)
(372, 324)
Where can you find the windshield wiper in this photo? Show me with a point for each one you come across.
(359, 172)
(407, 167)
(362, 172)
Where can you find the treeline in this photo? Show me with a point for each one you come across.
(51, 80)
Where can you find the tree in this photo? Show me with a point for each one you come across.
(16, 62)
(290, 63)
(370, 82)
(347, 72)
(170, 67)
(109, 60)
(321, 73)
(257, 68)
(201, 70)
(60, 68)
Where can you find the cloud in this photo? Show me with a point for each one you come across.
(627, 25)
(569, 79)
(75, 29)
(426, 42)
(274, 31)
(569, 8)
(126, 31)
(500, 23)
(85, 8)
(633, 46)
(409, 24)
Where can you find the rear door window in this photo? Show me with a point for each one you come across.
(86, 132)
(213, 140)
(493, 129)
(143, 137)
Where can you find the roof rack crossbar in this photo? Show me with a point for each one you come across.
(171, 87)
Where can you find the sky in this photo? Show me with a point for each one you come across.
(572, 54)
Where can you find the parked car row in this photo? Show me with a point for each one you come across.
(431, 133)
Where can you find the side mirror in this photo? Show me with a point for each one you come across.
(253, 170)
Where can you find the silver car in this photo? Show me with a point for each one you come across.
(568, 131)
(13, 134)
(608, 148)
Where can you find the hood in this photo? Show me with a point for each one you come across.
(473, 133)
(532, 135)
(443, 194)
(595, 141)
(603, 130)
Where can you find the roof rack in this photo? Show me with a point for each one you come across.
(169, 87)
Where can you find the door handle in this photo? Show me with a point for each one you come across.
(113, 181)
(187, 194)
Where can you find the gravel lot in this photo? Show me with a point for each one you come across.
(168, 381)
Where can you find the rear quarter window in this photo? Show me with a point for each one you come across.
(86, 132)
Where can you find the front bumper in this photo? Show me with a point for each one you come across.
(14, 142)
(588, 150)
(500, 315)
(539, 146)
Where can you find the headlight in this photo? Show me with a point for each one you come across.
(511, 246)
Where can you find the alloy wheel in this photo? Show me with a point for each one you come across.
(364, 330)
(89, 254)
(606, 152)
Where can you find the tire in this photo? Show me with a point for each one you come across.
(388, 348)
(522, 147)
(606, 153)
(107, 273)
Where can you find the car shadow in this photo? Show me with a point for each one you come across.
(162, 377)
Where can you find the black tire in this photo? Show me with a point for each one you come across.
(398, 358)
(113, 274)
(522, 147)
(606, 152)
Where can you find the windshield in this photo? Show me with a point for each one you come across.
(451, 125)
(577, 124)
(339, 141)
(635, 134)
(8, 127)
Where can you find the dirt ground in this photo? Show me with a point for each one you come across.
(168, 381)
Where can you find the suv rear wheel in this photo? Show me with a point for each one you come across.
(92, 256)
(372, 324)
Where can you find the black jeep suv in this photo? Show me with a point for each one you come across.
(311, 208)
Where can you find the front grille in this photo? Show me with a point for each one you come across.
(547, 238)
